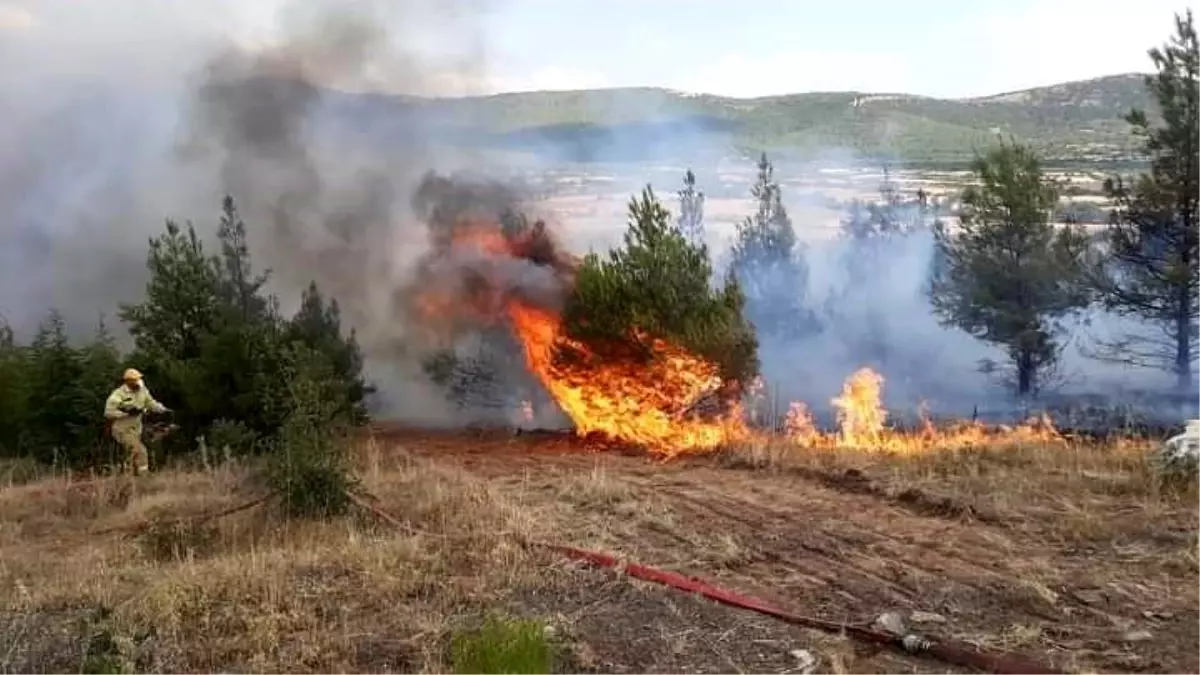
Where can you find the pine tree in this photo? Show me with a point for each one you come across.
(1153, 241)
(691, 209)
(318, 324)
(100, 367)
(660, 283)
(769, 263)
(1008, 275)
(57, 420)
(240, 286)
(182, 300)
(14, 393)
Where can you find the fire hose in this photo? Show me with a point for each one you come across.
(948, 651)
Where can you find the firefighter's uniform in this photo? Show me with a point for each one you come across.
(123, 410)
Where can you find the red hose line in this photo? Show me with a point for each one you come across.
(950, 652)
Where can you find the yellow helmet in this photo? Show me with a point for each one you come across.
(131, 375)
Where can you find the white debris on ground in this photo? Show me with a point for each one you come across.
(1180, 455)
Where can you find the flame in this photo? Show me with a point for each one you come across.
(860, 410)
(642, 403)
(862, 417)
(645, 403)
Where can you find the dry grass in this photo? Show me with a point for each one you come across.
(1086, 492)
(1032, 548)
(250, 591)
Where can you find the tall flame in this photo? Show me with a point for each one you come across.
(634, 402)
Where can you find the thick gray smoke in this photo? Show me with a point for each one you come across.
(103, 141)
(344, 198)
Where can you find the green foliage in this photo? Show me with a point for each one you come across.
(661, 284)
(1152, 270)
(14, 395)
(105, 651)
(1008, 275)
(1073, 121)
(502, 645)
(309, 467)
(318, 325)
(49, 407)
(212, 345)
(691, 209)
(769, 264)
(232, 437)
(230, 360)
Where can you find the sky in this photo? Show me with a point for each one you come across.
(944, 48)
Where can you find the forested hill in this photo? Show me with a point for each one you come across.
(1074, 121)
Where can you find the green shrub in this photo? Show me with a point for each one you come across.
(309, 467)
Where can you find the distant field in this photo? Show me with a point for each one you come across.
(592, 205)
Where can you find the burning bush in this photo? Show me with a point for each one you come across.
(660, 284)
(626, 346)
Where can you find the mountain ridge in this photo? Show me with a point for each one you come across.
(1076, 121)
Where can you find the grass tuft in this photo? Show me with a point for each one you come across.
(503, 645)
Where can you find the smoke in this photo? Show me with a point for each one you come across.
(872, 309)
(103, 139)
(111, 125)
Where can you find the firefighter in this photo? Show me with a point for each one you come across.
(123, 410)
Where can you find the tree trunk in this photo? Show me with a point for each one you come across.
(1183, 343)
(1025, 373)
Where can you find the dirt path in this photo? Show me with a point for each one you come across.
(846, 554)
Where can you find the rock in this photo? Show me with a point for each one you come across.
(1137, 636)
(891, 622)
(918, 616)
(805, 661)
(1090, 597)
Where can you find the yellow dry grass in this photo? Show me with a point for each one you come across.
(1076, 489)
(250, 592)
(1042, 549)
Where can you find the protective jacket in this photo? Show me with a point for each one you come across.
(121, 397)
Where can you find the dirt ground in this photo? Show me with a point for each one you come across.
(1076, 556)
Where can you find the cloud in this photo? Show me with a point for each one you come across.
(16, 18)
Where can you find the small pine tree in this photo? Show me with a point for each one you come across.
(1008, 275)
(57, 420)
(100, 365)
(769, 265)
(318, 325)
(241, 287)
(14, 394)
(691, 210)
(182, 299)
(660, 283)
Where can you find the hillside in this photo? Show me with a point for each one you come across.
(1073, 122)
